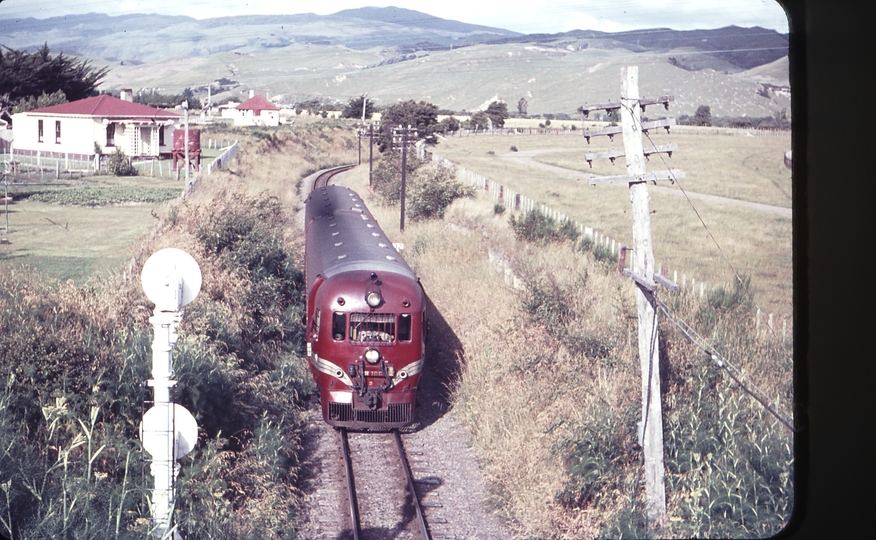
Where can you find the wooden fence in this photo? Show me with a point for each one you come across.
(517, 202)
(737, 132)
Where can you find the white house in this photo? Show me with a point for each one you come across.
(257, 111)
(72, 129)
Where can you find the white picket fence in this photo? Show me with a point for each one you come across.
(223, 159)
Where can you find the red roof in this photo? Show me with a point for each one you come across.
(257, 104)
(106, 106)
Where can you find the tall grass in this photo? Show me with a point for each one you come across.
(550, 388)
(73, 360)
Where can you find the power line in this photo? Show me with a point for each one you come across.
(717, 244)
(731, 370)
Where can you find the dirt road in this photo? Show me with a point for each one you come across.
(525, 159)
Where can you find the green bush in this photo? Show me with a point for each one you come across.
(386, 176)
(433, 190)
(118, 164)
(538, 228)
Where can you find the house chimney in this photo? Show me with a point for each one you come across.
(252, 94)
(126, 94)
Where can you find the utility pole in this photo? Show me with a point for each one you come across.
(370, 134)
(400, 138)
(642, 273)
(370, 152)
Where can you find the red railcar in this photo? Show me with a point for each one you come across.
(366, 315)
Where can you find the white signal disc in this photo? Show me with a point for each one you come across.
(158, 421)
(164, 264)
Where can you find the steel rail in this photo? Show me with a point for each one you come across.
(416, 500)
(351, 488)
(323, 178)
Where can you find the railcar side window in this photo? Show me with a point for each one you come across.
(404, 327)
(338, 327)
(372, 327)
(314, 325)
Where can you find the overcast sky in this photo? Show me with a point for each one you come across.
(529, 16)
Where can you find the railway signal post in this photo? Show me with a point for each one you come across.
(171, 279)
(642, 273)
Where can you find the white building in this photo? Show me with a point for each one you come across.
(257, 111)
(72, 129)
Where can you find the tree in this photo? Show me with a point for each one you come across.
(498, 112)
(353, 108)
(448, 124)
(43, 100)
(522, 106)
(480, 120)
(30, 75)
(703, 116)
(169, 101)
(421, 116)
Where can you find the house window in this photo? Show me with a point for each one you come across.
(161, 136)
(111, 135)
(57, 132)
(39, 131)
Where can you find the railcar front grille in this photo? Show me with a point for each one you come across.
(393, 414)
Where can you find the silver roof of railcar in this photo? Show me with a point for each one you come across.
(343, 236)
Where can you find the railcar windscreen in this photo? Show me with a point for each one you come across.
(372, 327)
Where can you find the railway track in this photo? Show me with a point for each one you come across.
(389, 508)
(325, 176)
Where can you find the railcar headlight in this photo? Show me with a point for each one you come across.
(372, 355)
(373, 299)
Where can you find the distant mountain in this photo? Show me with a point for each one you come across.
(742, 48)
(152, 37)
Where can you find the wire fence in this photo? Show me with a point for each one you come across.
(58, 164)
(575, 130)
(766, 324)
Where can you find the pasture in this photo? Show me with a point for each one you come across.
(738, 170)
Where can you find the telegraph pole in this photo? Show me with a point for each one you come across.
(642, 273)
(400, 137)
(370, 152)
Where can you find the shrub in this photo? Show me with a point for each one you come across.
(603, 254)
(538, 228)
(386, 177)
(433, 190)
(118, 164)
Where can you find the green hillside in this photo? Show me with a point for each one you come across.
(554, 79)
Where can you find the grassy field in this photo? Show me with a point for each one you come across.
(78, 228)
(748, 169)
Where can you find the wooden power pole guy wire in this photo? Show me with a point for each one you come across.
(651, 425)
